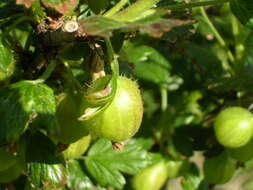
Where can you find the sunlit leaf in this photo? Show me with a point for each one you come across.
(106, 164)
(20, 104)
(77, 179)
(7, 61)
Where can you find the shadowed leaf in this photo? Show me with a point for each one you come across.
(45, 170)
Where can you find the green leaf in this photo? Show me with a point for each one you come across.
(74, 52)
(145, 143)
(193, 180)
(150, 103)
(243, 10)
(44, 170)
(232, 83)
(20, 104)
(188, 108)
(106, 164)
(99, 26)
(183, 144)
(100, 92)
(38, 12)
(205, 59)
(8, 8)
(77, 179)
(7, 61)
(149, 64)
(219, 169)
(98, 6)
(21, 35)
(4, 3)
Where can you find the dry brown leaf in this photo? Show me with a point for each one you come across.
(64, 7)
(26, 3)
(157, 29)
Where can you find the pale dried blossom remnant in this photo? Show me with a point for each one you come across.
(103, 93)
(118, 145)
(70, 26)
(88, 113)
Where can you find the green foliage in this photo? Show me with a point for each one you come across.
(7, 61)
(77, 177)
(97, 6)
(7, 158)
(23, 102)
(243, 10)
(194, 180)
(106, 164)
(177, 66)
(44, 169)
(103, 26)
(242, 154)
(219, 169)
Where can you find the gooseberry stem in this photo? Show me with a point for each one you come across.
(72, 78)
(164, 106)
(50, 68)
(112, 57)
(110, 51)
(164, 98)
(219, 38)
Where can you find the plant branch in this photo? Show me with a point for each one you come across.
(181, 6)
(116, 8)
(110, 51)
(135, 10)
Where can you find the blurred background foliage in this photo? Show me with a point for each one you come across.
(186, 77)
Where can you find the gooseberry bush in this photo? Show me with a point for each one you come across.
(126, 94)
